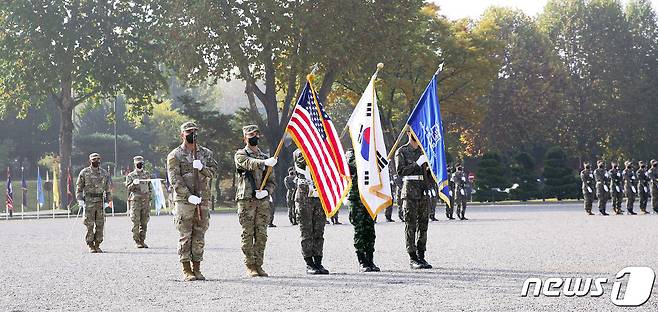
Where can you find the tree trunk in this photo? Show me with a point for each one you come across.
(65, 107)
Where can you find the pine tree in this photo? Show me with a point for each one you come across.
(490, 175)
(560, 181)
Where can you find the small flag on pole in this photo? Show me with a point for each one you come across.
(55, 190)
(9, 203)
(41, 198)
(23, 189)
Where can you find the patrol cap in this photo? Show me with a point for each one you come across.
(653, 161)
(94, 156)
(641, 163)
(138, 159)
(586, 163)
(628, 163)
(600, 162)
(247, 130)
(188, 126)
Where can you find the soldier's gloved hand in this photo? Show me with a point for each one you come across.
(81, 203)
(196, 164)
(270, 162)
(194, 200)
(261, 194)
(106, 205)
(421, 160)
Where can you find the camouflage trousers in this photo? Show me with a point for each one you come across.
(311, 225)
(643, 198)
(416, 218)
(191, 230)
(460, 204)
(630, 200)
(589, 199)
(140, 213)
(292, 211)
(654, 197)
(94, 221)
(364, 228)
(432, 202)
(617, 198)
(254, 216)
(602, 196)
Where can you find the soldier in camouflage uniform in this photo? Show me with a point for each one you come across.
(653, 183)
(629, 186)
(616, 188)
(311, 217)
(451, 187)
(190, 168)
(93, 194)
(412, 166)
(602, 190)
(461, 192)
(364, 225)
(642, 186)
(139, 200)
(253, 204)
(291, 187)
(588, 187)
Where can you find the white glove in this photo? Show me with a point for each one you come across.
(462, 192)
(646, 190)
(421, 160)
(450, 193)
(196, 164)
(589, 189)
(464, 179)
(137, 181)
(607, 175)
(193, 199)
(617, 188)
(270, 162)
(106, 205)
(81, 203)
(261, 194)
(633, 188)
(605, 187)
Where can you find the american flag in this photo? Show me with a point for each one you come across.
(10, 192)
(315, 135)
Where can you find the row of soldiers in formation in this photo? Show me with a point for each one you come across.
(190, 168)
(614, 183)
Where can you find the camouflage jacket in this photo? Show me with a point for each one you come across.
(615, 179)
(250, 172)
(652, 173)
(405, 163)
(140, 190)
(588, 179)
(93, 185)
(629, 180)
(642, 178)
(601, 176)
(305, 184)
(460, 180)
(291, 187)
(182, 175)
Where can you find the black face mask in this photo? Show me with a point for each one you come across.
(95, 164)
(643, 166)
(253, 141)
(654, 165)
(600, 166)
(587, 167)
(140, 165)
(190, 137)
(616, 167)
(459, 168)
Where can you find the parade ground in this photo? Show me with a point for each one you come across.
(479, 265)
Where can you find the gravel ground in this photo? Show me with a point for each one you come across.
(480, 265)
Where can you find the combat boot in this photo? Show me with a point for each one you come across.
(413, 262)
(251, 270)
(318, 264)
(603, 213)
(144, 244)
(97, 246)
(188, 275)
(389, 219)
(139, 244)
(196, 270)
(371, 263)
(631, 212)
(261, 272)
(421, 260)
(362, 262)
(433, 218)
(310, 266)
(92, 248)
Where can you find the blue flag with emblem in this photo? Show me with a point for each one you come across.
(426, 125)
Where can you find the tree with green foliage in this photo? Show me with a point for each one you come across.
(72, 52)
(491, 178)
(559, 179)
(523, 172)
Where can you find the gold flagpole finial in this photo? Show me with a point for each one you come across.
(310, 77)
